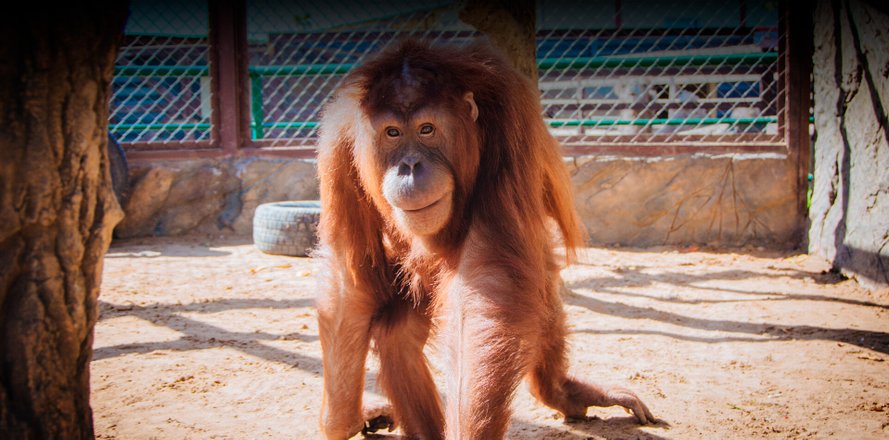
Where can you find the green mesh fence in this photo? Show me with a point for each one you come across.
(641, 72)
(161, 92)
(637, 72)
(300, 51)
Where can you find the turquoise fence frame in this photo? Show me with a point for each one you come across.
(257, 73)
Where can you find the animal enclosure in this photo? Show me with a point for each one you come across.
(682, 124)
(689, 119)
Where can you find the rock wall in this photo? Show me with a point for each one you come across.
(730, 200)
(210, 196)
(850, 200)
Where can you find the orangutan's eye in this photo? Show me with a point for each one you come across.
(393, 132)
(426, 129)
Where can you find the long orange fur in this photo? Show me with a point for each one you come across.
(488, 282)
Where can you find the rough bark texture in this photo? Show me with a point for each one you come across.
(850, 200)
(57, 210)
(511, 27)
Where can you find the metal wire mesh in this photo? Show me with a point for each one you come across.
(300, 52)
(161, 91)
(643, 72)
(628, 72)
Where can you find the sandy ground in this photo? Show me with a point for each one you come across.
(202, 339)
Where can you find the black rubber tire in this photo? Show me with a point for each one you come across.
(287, 228)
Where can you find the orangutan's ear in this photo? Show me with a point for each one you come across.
(473, 109)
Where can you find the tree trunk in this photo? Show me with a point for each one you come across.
(850, 198)
(57, 209)
(512, 27)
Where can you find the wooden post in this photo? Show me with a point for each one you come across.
(797, 56)
(228, 67)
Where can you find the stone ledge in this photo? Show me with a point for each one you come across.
(725, 200)
(210, 196)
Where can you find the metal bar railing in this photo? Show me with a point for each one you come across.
(659, 121)
(256, 109)
(303, 69)
(656, 61)
(543, 63)
(161, 126)
(159, 70)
